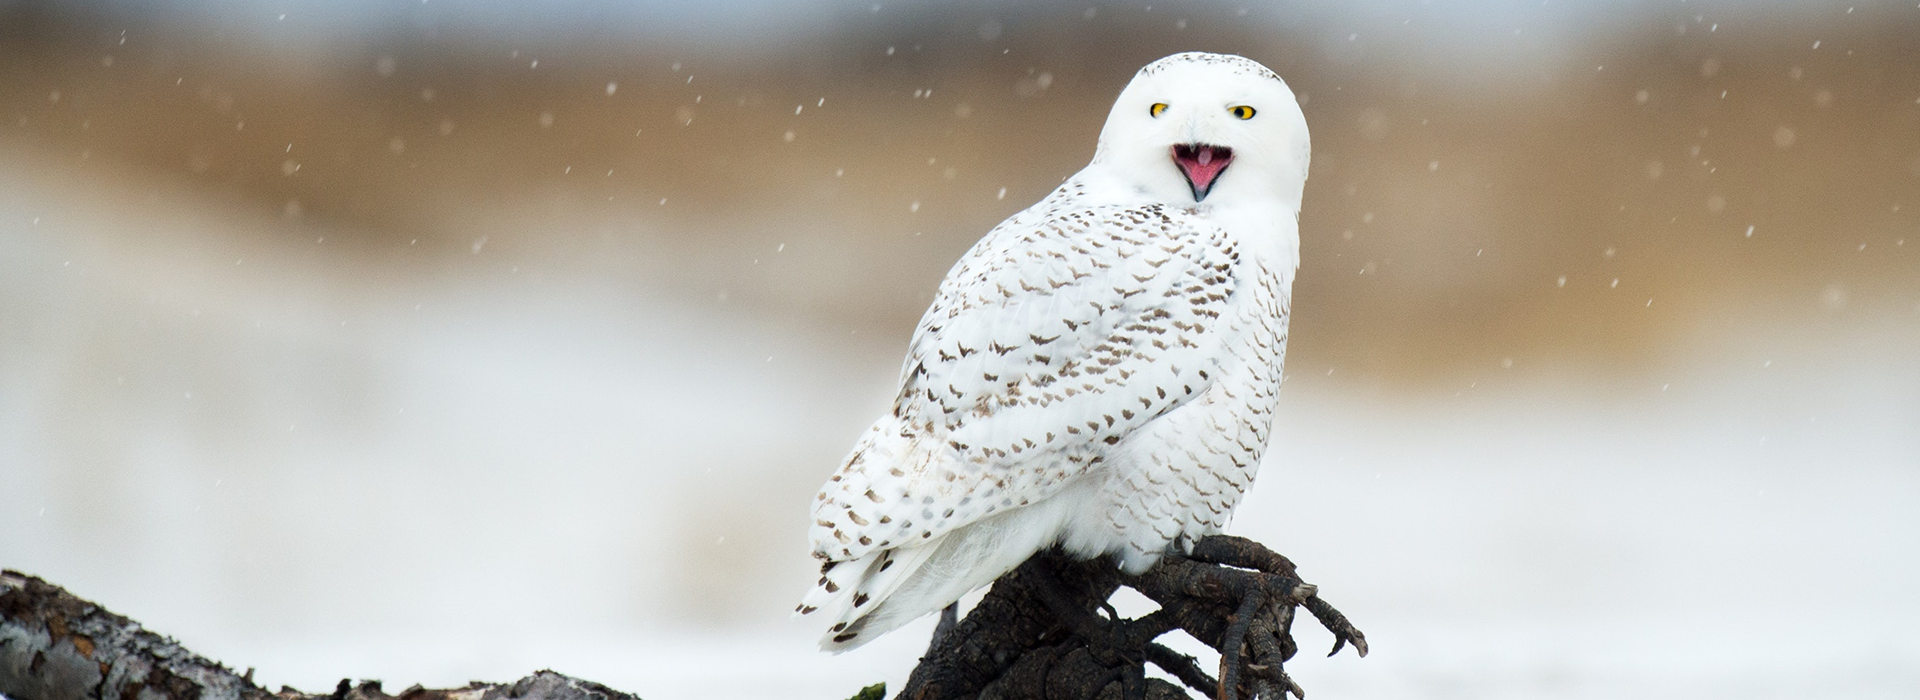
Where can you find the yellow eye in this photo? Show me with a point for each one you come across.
(1157, 108)
(1242, 111)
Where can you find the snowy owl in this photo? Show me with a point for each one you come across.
(1099, 372)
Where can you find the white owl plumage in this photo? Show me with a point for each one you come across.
(1099, 372)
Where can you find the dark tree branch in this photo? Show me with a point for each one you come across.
(1182, 667)
(1037, 635)
(54, 646)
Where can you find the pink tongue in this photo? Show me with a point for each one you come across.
(1202, 167)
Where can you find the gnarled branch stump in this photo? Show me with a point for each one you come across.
(1039, 634)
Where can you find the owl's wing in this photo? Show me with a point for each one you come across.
(1051, 340)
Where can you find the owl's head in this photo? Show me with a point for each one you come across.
(1205, 127)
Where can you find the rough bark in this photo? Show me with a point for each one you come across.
(54, 646)
(1039, 632)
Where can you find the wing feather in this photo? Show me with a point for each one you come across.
(1053, 339)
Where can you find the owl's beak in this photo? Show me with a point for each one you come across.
(1202, 164)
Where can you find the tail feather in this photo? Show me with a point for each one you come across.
(854, 593)
(878, 593)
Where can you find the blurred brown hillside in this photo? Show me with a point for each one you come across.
(1446, 206)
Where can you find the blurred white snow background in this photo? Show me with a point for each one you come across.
(450, 341)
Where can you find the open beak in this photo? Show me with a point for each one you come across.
(1202, 164)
